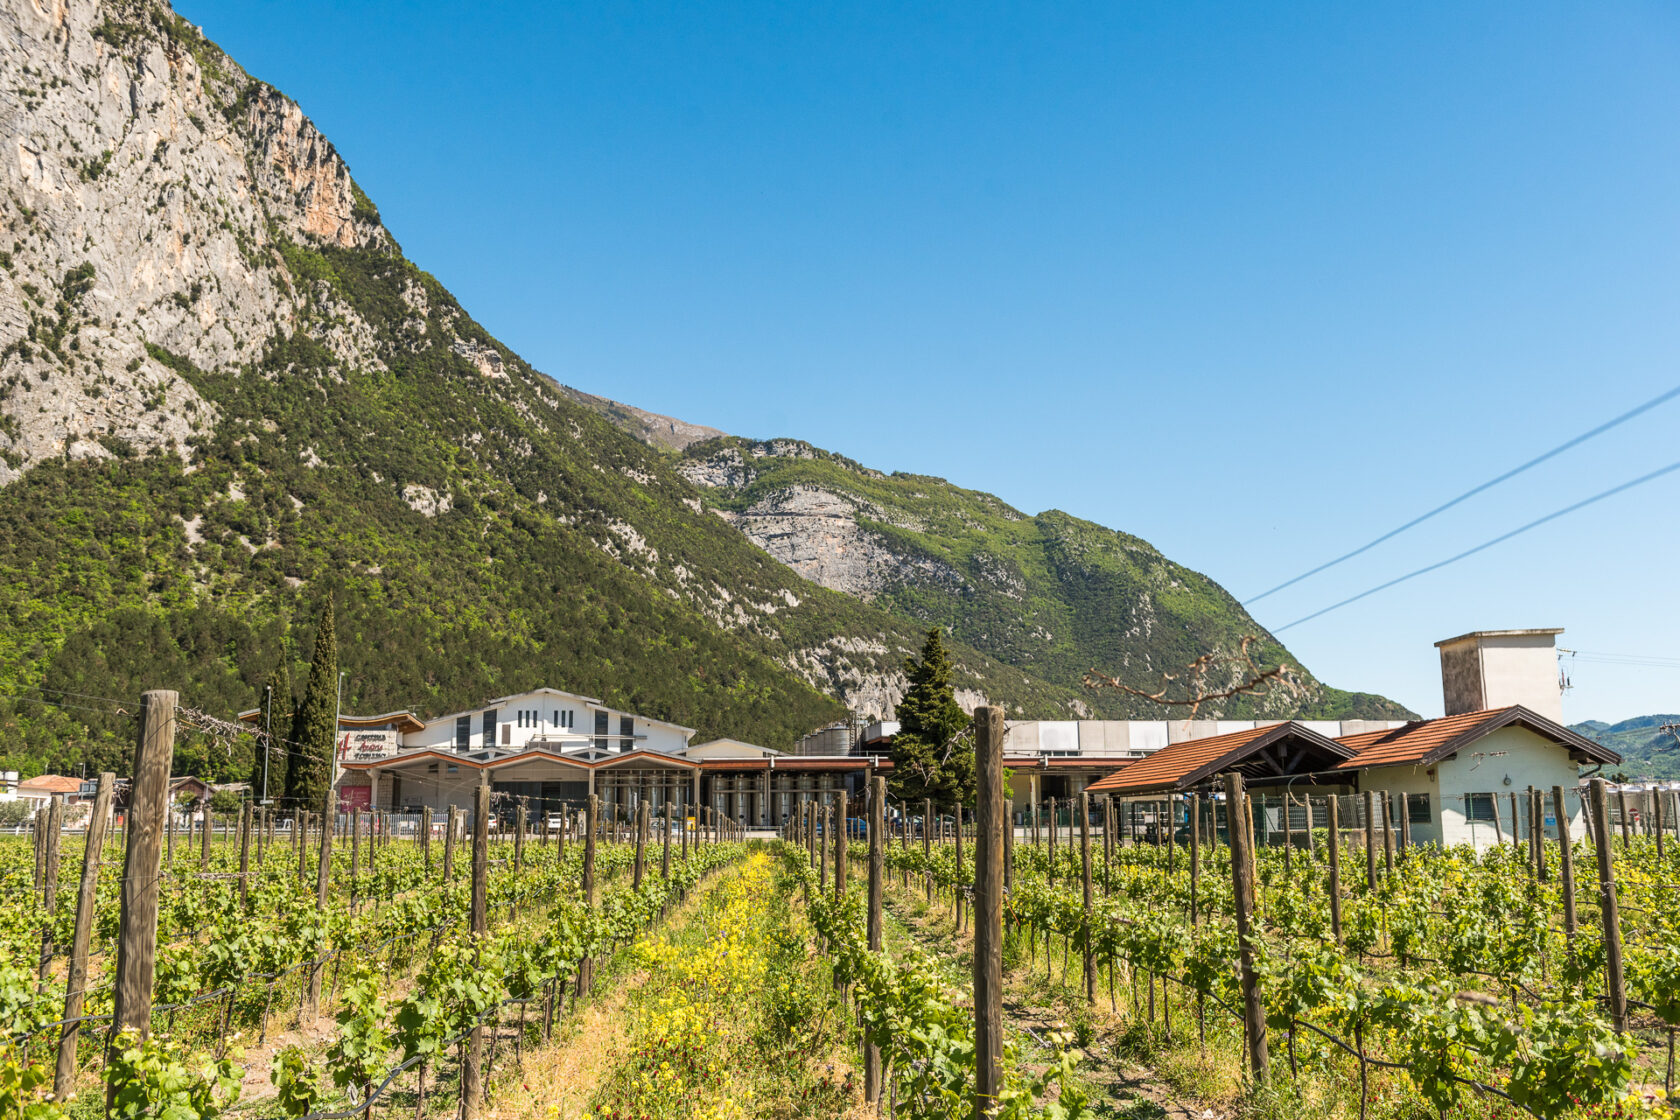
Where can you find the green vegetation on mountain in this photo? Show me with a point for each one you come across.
(301, 415)
(1647, 750)
(1051, 594)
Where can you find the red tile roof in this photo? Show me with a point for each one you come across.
(1424, 742)
(50, 783)
(1187, 762)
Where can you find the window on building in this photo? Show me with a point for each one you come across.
(1417, 808)
(626, 733)
(463, 732)
(1479, 807)
(490, 728)
(601, 728)
(557, 717)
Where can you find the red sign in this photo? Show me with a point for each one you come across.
(353, 798)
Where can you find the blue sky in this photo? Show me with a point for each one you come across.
(1255, 283)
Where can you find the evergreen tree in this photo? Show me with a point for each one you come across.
(314, 735)
(274, 702)
(926, 763)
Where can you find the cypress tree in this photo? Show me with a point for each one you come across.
(925, 761)
(314, 732)
(275, 701)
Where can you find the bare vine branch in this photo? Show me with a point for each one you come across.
(1195, 676)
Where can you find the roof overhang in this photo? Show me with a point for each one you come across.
(1282, 752)
(1581, 748)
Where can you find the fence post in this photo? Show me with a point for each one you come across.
(1195, 858)
(957, 839)
(49, 878)
(1566, 864)
(148, 805)
(1242, 874)
(1335, 867)
(991, 819)
(665, 859)
(927, 846)
(1537, 826)
(1607, 907)
(356, 856)
(1627, 821)
(75, 981)
(472, 1070)
(1085, 861)
(641, 844)
(323, 877)
(245, 814)
(877, 869)
(1388, 833)
(1405, 824)
(519, 825)
(1370, 840)
(842, 804)
(426, 837)
(586, 967)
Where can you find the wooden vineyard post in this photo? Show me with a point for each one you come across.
(1537, 827)
(1370, 840)
(1607, 906)
(169, 852)
(1085, 864)
(825, 836)
(49, 879)
(355, 857)
(992, 828)
(1388, 833)
(323, 877)
(1405, 824)
(1656, 819)
(1498, 828)
(1108, 848)
(1195, 857)
(1627, 822)
(641, 845)
(957, 837)
(1335, 867)
(1566, 865)
(1242, 874)
(665, 858)
(472, 1070)
(148, 805)
(245, 823)
(519, 824)
(927, 846)
(1516, 822)
(449, 847)
(841, 808)
(426, 837)
(75, 981)
(1051, 836)
(207, 831)
(877, 883)
(586, 967)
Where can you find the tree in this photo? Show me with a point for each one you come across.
(314, 735)
(929, 760)
(275, 699)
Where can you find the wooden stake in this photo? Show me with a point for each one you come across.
(992, 823)
(877, 875)
(1566, 865)
(323, 878)
(49, 879)
(1085, 862)
(1370, 840)
(1254, 1015)
(472, 1070)
(75, 983)
(840, 870)
(245, 853)
(148, 806)
(641, 844)
(1335, 867)
(1195, 858)
(1607, 906)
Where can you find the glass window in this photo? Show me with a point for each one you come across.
(463, 732)
(1478, 807)
(1417, 808)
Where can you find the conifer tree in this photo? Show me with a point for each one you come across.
(274, 702)
(314, 732)
(926, 761)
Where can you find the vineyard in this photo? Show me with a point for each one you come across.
(936, 964)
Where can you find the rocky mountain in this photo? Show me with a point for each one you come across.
(1647, 750)
(226, 394)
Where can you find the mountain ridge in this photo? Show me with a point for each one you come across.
(225, 394)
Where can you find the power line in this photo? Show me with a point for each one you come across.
(1536, 523)
(1473, 491)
